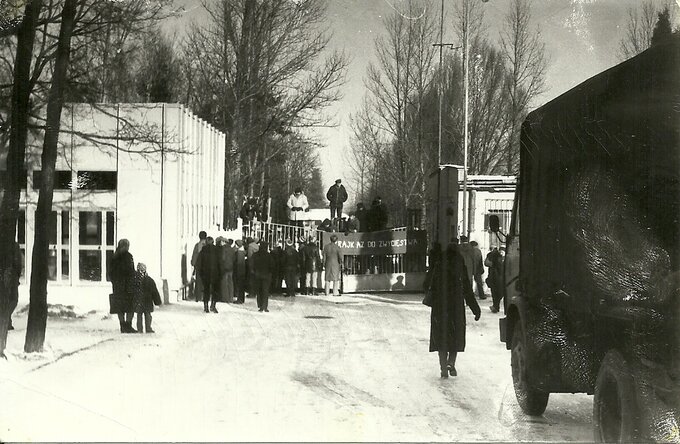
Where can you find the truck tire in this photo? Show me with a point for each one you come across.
(532, 401)
(615, 405)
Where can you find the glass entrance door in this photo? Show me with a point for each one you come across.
(96, 234)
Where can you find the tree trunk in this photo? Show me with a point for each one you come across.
(37, 314)
(9, 205)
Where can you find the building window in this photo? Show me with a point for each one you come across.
(90, 228)
(97, 180)
(62, 180)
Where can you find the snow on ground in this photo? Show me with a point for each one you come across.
(351, 368)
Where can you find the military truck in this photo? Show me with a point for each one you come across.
(591, 274)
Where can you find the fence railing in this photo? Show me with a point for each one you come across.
(274, 233)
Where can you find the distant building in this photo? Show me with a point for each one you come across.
(151, 173)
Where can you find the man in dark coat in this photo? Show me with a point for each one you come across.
(277, 268)
(208, 269)
(377, 216)
(227, 258)
(311, 262)
(477, 269)
(252, 246)
(122, 272)
(336, 195)
(291, 266)
(494, 260)
(240, 272)
(198, 284)
(262, 268)
(447, 319)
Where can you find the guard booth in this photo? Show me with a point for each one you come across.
(443, 212)
(390, 260)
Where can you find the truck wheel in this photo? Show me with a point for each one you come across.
(533, 402)
(614, 405)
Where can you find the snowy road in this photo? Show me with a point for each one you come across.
(353, 368)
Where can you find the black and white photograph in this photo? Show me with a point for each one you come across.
(340, 221)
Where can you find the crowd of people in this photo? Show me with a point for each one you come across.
(229, 271)
(463, 267)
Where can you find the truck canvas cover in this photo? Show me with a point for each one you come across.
(599, 203)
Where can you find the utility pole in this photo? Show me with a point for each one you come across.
(466, 58)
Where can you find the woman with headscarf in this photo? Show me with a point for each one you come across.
(122, 271)
(447, 319)
(145, 295)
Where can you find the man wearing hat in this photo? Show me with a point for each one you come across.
(337, 195)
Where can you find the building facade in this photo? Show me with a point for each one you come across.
(150, 173)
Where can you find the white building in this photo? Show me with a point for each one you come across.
(151, 173)
(487, 195)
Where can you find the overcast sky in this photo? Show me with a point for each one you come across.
(581, 38)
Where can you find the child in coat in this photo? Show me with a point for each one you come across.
(145, 296)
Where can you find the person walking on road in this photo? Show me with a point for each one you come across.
(198, 284)
(145, 295)
(337, 196)
(494, 261)
(122, 271)
(332, 259)
(208, 269)
(447, 318)
(478, 269)
(240, 272)
(297, 205)
(262, 267)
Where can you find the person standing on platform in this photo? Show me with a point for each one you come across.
(208, 269)
(291, 262)
(377, 216)
(262, 268)
(297, 205)
(240, 272)
(198, 284)
(332, 259)
(337, 196)
(362, 217)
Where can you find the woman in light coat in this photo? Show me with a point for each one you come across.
(297, 205)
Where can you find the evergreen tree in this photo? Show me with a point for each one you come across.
(663, 29)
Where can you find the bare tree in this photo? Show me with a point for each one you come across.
(398, 84)
(524, 52)
(37, 314)
(639, 30)
(10, 186)
(255, 70)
